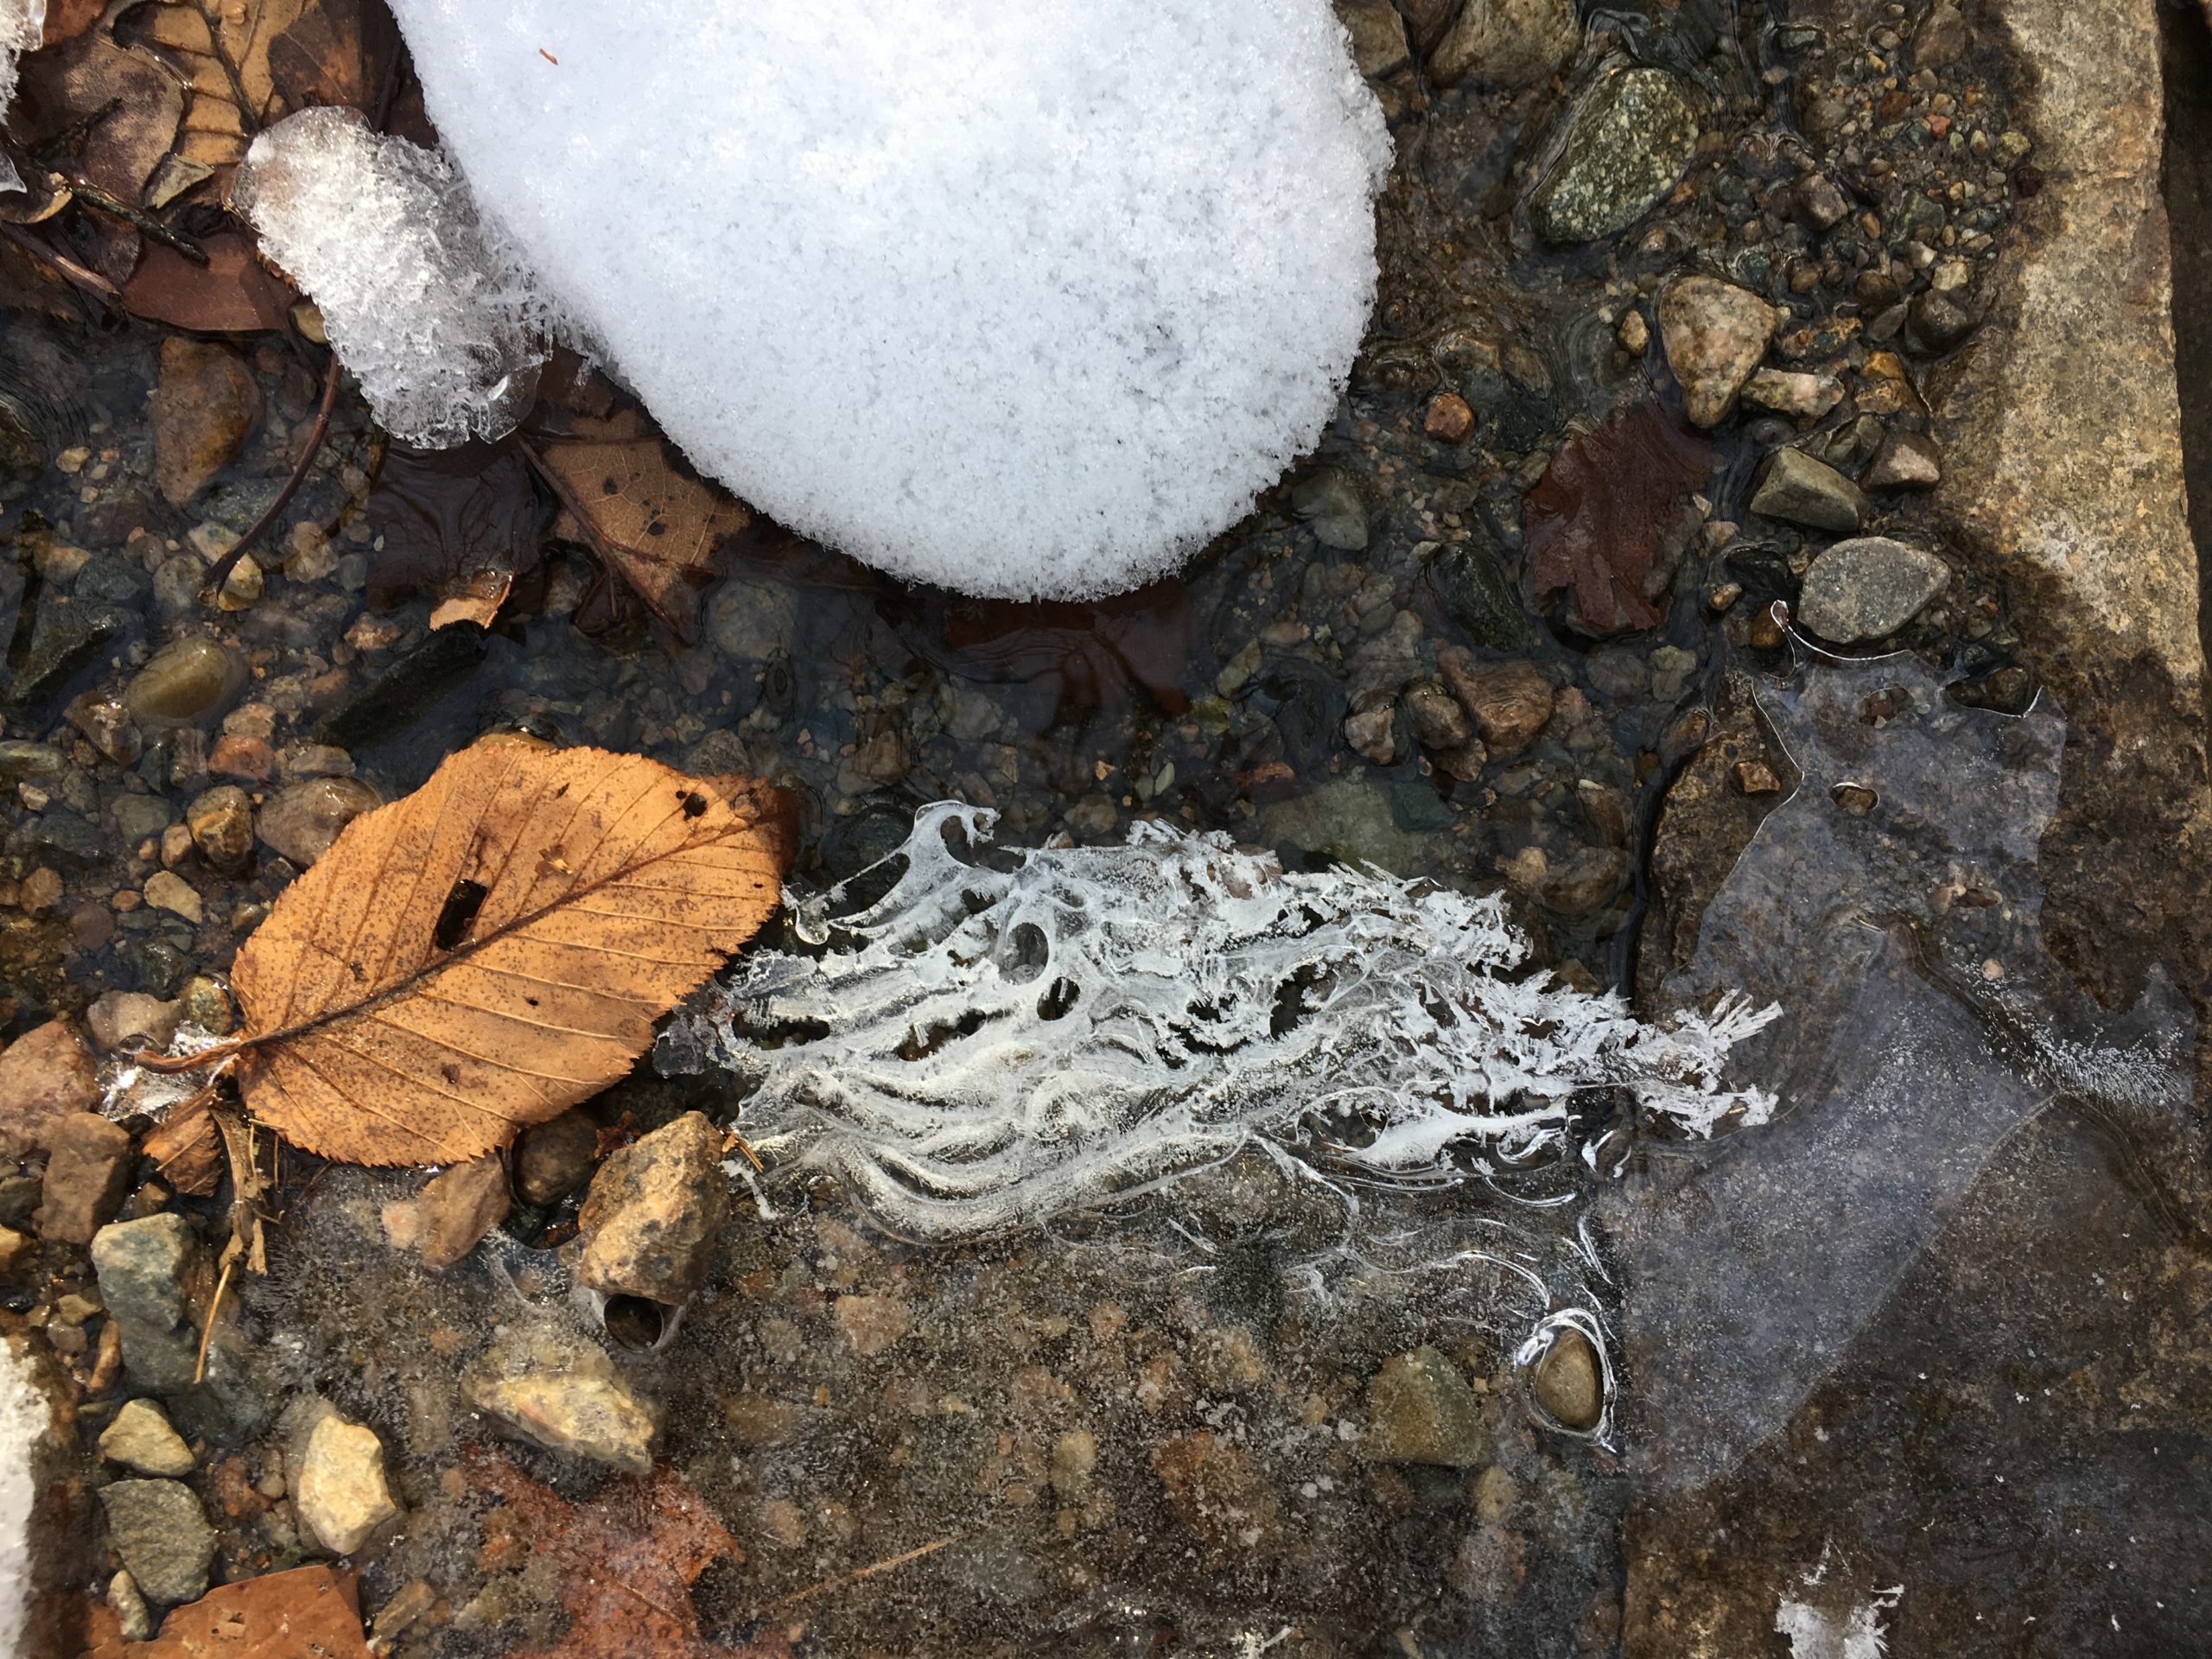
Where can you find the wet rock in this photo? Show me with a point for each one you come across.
(205, 1003)
(1481, 597)
(158, 1528)
(141, 1438)
(1448, 419)
(125, 1021)
(1506, 45)
(1821, 205)
(1382, 665)
(1419, 1409)
(1627, 141)
(166, 890)
(1800, 394)
(85, 1179)
(1714, 334)
(1868, 587)
(107, 726)
(648, 1225)
(186, 683)
(1220, 1494)
(1942, 37)
(156, 1284)
(1906, 461)
(447, 1219)
(221, 823)
(17, 1249)
(1799, 490)
(565, 1396)
(750, 621)
(1939, 320)
(20, 760)
(1569, 1383)
(46, 1074)
(873, 1324)
(1586, 883)
(341, 1495)
(203, 407)
(1509, 703)
(247, 758)
(302, 820)
(1372, 734)
(1436, 719)
(139, 817)
(1378, 36)
(134, 1620)
(552, 1160)
(1330, 502)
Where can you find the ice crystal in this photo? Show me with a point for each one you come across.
(1003, 1036)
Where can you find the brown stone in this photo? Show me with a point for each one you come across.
(553, 1159)
(204, 408)
(1509, 703)
(1220, 1494)
(221, 823)
(242, 756)
(870, 1325)
(648, 1225)
(46, 1074)
(1714, 334)
(447, 1219)
(1449, 420)
(1569, 1381)
(1506, 44)
(301, 821)
(85, 1179)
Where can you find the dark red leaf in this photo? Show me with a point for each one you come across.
(1593, 523)
(232, 294)
(458, 524)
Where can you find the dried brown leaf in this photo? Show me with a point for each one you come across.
(68, 19)
(221, 48)
(662, 529)
(187, 1148)
(338, 52)
(232, 294)
(308, 1610)
(66, 86)
(494, 948)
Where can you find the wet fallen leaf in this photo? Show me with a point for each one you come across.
(187, 1148)
(308, 1610)
(233, 293)
(459, 523)
(221, 48)
(63, 87)
(68, 19)
(494, 948)
(1593, 523)
(627, 1561)
(660, 527)
(338, 52)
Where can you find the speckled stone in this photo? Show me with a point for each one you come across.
(1869, 587)
(1627, 143)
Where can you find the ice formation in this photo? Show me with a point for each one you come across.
(427, 307)
(23, 24)
(1004, 1036)
(1022, 299)
(24, 1416)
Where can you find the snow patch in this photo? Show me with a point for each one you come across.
(1027, 300)
(25, 1417)
(22, 25)
(1006, 1035)
(430, 310)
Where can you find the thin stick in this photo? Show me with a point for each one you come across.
(92, 196)
(215, 1307)
(228, 562)
(868, 1571)
(91, 281)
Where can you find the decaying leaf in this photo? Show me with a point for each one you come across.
(187, 1148)
(627, 1561)
(660, 527)
(493, 949)
(459, 523)
(221, 48)
(308, 1610)
(1593, 523)
(69, 87)
(337, 52)
(233, 293)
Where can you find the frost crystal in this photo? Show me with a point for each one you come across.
(23, 24)
(1026, 299)
(427, 308)
(1003, 1036)
(24, 1416)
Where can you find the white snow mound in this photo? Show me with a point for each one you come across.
(24, 1417)
(1025, 299)
(433, 315)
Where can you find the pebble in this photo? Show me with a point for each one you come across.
(1419, 1409)
(1906, 461)
(15, 1249)
(302, 820)
(1627, 141)
(166, 890)
(341, 1495)
(122, 1021)
(648, 1225)
(1714, 334)
(107, 726)
(1448, 420)
(154, 1280)
(566, 1398)
(1508, 703)
(1372, 734)
(184, 684)
(1942, 37)
(1220, 1494)
(1939, 320)
(85, 1179)
(159, 1529)
(1506, 45)
(220, 821)
(1799, 490)
(873, 1324)
(1757, 777)
(552, 1160)
(248, 758)
(1798, 393)
(1569, 1383)
(140, 1438)
(449, 1217)
(1378, 36)
(1868, 587)
(46, 1074)
(1330, 502)
(134, 1620)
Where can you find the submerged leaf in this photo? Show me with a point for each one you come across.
(383, 1027)
(461, 523)
(1594, 521)
(309, 1610)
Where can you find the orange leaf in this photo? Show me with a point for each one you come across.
(309, 1610)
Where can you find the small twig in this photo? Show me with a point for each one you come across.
(229, 562)
(92, 196)
(828, 1584)
(215, 1307)
(90, 281)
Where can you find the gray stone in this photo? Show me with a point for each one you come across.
(1627, 141)
(1799, 490)
(139, 817)
(184, 684)
(1378, 36)
(1506, 45)
(1330, 502)
(157, 1285)
(1569, 1383)
(1868, 587)
(566, 1397)
(302, 820)
(141, 1438)
(1419, 1409)
(1715, 334)
(131, 1019)
(166, 1543)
